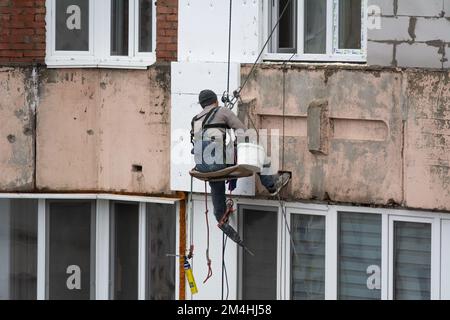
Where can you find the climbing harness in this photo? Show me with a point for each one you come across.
(204, 132)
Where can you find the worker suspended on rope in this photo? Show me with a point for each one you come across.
(208, 135)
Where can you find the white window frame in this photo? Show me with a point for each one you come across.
(435, 260)
(276, 211)
(101, 261)
(93, 245)
(330, 249)
(384, 244)
(333, 53)
(445, 259)
(100, 40)
(388, 216)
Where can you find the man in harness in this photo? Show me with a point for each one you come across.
(212, 153)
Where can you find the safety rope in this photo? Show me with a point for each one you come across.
(282, 152)
(225, 269)
(208, 260)
(280, 200)
(223, 262)
(283, 211)
(237, 93)
(284, 109)
(229, 45)
(190, 215)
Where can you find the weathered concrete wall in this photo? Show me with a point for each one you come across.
(107, 130)
(97, 130)
(427, 141)
(389, 129)
(355, 168)
(409, 33)
(104, 130)
(17, 96)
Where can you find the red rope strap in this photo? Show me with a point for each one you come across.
(208, 260)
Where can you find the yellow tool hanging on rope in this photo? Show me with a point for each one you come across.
(190, 276)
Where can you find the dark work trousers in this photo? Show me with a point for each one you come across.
(219, 198)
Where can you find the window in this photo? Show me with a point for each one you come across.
(318, 30)
(308, 257)
(90, 246)
(357, 253)
(412, 260)
(359, 256)
(315, 26)
(161, 222)
(286, 35)
(100, 33)
(259, 232)
(124, 250)
(71, 250)
(18, 249)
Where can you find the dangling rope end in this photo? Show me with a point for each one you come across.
(208, 262)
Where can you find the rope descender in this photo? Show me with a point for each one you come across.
(230, 209)
(230, 100)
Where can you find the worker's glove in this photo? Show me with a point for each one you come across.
(232, 184)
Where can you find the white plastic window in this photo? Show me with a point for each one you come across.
(344, 252)
(101, 33)
(318, 30)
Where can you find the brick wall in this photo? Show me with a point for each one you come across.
(167, 30)
(22, 31)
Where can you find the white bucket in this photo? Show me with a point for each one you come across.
(251, 156)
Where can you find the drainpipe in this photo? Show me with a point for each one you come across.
(33, 100)
(182, 245)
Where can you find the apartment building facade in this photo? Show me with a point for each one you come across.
(96, 101)
(357, 93)
(85, 103)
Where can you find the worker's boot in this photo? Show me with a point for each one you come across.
(282, 180)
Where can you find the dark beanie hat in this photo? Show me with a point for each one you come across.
(207, 98)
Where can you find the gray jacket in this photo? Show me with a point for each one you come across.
(223, 116)
(226, 116)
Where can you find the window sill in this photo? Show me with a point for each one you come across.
(65, 62)
(316, 58)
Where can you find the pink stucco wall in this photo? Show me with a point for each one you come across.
(427, 141)
(388, 141)
(95, 125)
(16, 130)
(389, 138)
